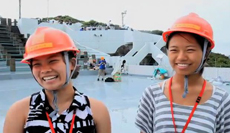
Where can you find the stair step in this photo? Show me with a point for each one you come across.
(17, 63)
(18, 69)
(4, 36)
(2, 63)
(6, 41)
(2, 26)
(2, 32)
(4, 29)
(4, 69)
(14, 47)
(7, 44)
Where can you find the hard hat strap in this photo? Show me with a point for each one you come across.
(56, 110)
(66, 57)
(203, 56)
(68, 77)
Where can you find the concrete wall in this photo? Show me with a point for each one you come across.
(103, 40)
(209, 72)
(25, 25)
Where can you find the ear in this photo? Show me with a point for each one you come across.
(72, 63)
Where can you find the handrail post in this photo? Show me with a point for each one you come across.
(12, 65)
(7, 60)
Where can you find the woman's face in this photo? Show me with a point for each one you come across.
(50, 71)
(185, 54)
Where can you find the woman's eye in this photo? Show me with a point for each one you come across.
(36, 64)
(173, 50)
(191, 50)
(52, 61)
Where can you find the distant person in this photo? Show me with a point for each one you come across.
(186, 102)
(101, 71)
(59, 107)
(123, 66)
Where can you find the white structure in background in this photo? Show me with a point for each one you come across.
(101, 42)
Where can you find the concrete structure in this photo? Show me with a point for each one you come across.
(101, 42)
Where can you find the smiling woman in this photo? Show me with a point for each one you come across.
(186, 102)
(59, 106)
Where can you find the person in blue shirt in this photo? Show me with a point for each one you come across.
(101, 71)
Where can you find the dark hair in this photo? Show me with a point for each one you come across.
(200, 40)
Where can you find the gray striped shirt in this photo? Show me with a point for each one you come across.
(154, 115)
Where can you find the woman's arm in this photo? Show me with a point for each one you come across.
(16, 116)
(100, 116)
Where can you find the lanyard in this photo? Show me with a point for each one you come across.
(193, 110)
(51, 125)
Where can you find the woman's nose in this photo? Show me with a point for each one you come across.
(45, 68)
(182, 56)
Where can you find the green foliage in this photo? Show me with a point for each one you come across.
(65, 18)
(93, 23)
(218, 60)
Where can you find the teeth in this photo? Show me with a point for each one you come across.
(49, 78)
(183, 65)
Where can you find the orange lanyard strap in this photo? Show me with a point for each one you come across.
(193, 110)
(51, 125)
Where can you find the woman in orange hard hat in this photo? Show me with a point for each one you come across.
(59, 107)
(186, 102)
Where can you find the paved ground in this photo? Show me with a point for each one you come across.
(121, 98)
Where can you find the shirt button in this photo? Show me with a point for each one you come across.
(47, 108)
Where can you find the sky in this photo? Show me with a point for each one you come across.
(141, 14)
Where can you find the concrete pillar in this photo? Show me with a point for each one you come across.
(15, 22)
(3, 21)
(85, 60)
(28, 35)
(9, 23)
(12, 65)
(4, 53)
(8, 60)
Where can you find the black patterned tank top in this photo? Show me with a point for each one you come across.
(37, 121)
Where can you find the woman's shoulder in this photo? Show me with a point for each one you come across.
(218, 90)
(221, 95)
(97, 107)
(19, 108)
(21, 103)
(100, 115)
(94, 103)
(16, 116)
(155, 87)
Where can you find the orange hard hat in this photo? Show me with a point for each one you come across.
(102, 58)
(47, 41)
(192, 23)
